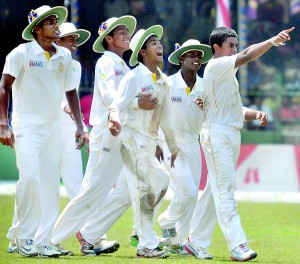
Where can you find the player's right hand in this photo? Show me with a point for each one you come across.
(114, 127)
(7, 137)
(147, 102)
(173, 158)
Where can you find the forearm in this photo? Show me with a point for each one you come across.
(73, 101)
(4, 103)
(249, 114)
(255, 51)
(113, 114)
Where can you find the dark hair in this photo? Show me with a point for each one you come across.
(219, 35)
(104, 42)
(140, 57)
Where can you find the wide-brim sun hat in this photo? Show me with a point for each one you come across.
(139, 39)
(190, 45)
(110, 24)
(67, 29)
(35, 16)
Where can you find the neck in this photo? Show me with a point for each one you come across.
(117, 51)
(151, 66)
(189, 77)
(46, 44)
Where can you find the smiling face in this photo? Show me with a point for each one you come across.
(70, 42)
(191, 60)
(118, 40)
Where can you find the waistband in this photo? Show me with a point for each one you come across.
(219, 126)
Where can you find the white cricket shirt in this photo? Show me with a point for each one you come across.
(222, 100)
(109, 71)
(76, 82)
(186, 116)
(139, 81)
(39, 85)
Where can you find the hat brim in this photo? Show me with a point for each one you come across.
(153, 30)
(128, 21)
(61, 13)
(84, 35)
(174, 57)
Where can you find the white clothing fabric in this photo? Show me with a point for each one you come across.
(103, 167)
(104, 162)
(139, 81)
(221, 140)
(221, 97)
(118, 201)
(185, 177)
(37, 190)
(39, 85)
(109, 71)
(37, 93)
(71, 163)
(139, 138)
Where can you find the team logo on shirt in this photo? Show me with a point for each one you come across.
(61, 67)
(35, 64)
(147, 88)
(120, 73)
(106, 149)
(177, 99)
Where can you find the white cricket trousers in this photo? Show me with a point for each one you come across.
(71, 163)
(118, 201)
(221, 146)
(138, 155)
(185, 180)
(103, 167)
(71, 166)
(37, 191)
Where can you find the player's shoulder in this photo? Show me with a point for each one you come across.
(76, 65)
(63, 51)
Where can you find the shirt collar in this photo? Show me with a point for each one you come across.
(37, 49)
(180, 83)
(145, 71)
(114, 56)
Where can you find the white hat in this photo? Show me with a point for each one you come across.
(67, 29)
(110, 24)
(35, 16)
(139, 39)
(189, 45)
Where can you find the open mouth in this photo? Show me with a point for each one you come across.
(160, 53)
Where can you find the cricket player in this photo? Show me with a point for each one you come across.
(186, 87)
(140, 132)
(39, 72)
(105, 162)
(71, 165)
(220, 140)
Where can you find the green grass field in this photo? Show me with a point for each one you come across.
(272, 228)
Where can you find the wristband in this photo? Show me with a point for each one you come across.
(271, 40)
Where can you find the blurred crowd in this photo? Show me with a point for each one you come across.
(273, 82)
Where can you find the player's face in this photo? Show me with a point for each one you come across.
(70, 42)
(229, 47)
(191, 60)
(154, 50)
(121, 38)
(50, 28)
